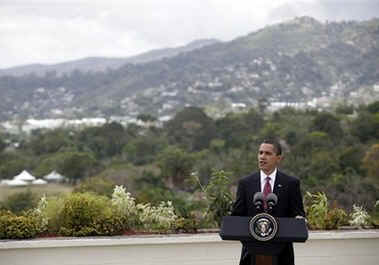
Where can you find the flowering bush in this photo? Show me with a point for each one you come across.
(148, 217)
(157, 218)
(124, 205)
(40, 216)
(359, 216)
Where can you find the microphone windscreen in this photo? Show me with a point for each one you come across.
(258, 196)
(272, 198)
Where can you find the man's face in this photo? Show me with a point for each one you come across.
(268, 160)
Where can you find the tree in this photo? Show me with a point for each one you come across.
(77, 165)
(192, 129)
(143, 149)
(105, 141)
(146, 117)
(47, 142)
(176, 165)
(2, 144)
(328, 123)
(373, 107)
(12, 164)
(371, 162)
(366, 126)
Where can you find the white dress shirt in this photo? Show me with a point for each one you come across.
(272, 180)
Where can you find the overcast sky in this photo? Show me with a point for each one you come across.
(53, 31)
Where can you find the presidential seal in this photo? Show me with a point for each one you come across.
(263, 227)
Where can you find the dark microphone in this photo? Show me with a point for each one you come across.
(258, 201)
(271, 200)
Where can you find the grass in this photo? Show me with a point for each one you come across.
(48, 189)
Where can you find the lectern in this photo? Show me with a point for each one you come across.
(264, 235)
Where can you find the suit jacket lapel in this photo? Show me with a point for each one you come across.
(256, 183)
(278, 182)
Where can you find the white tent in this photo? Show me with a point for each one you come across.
(54, 176)
(4, 182)
(24, 176)
(39, 182)
(17, 182)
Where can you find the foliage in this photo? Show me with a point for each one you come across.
(319, 215)
(77, 165)
(359, 216)
(104, 141)
(125, 206)
(176, 165)
(219, 196)
(328, 123)
(192, 128)
(99, 185)
(371, 162)
(375, 215)
(39, 215)
(150, 218)
(17, 227)
(161, 218)
(344, 166)
(49, 142)
(144, 149)
(86, 214)
(21, 201)
(12, 163)
(3, 144)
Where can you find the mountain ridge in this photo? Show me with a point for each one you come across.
(98, 63)
(301, 62)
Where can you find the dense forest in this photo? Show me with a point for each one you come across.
(333, 152)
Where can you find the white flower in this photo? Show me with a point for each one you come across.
(359, 216)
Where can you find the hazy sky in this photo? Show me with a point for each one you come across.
(53, 31)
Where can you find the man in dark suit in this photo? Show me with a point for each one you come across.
(286, 188)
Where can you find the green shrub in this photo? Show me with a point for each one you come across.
(375, 215)
(219, 196)
(87, 214)
(20, 201)
(17, 227)
(53, 213)
(187, 225)
(320, 216)
(336, 217)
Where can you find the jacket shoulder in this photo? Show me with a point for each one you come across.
(288, 178)
(249, 178)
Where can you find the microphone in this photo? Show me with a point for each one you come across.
(271, 200)
(258, 200)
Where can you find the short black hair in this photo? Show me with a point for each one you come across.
(276, 144)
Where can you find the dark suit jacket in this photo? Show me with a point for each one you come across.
(290, 204)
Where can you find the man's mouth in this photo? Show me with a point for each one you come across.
(262, 163)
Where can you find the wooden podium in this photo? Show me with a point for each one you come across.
(254, 233)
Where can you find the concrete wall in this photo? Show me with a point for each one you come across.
(334, 248)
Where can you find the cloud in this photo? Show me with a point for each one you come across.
(51, 31)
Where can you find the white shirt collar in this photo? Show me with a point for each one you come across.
(272, 177)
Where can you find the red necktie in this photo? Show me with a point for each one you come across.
(266, 190)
